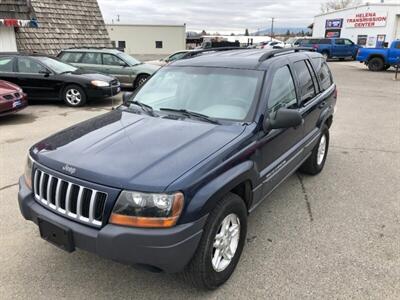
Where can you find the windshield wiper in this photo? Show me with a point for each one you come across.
(189, 113)
(145, 107)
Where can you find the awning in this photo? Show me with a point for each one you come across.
(33, 23)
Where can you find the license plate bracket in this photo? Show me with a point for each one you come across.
(57, 235)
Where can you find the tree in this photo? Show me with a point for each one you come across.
(288, 32)
(246, 33)
(331, 5)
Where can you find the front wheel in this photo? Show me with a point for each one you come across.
(221, 244)
(140, 80)
(376, 64)
(74, 96)
(316, 162)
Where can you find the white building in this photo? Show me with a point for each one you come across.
(148, 39)
(369, 25)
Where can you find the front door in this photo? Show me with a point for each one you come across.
(339, 48)
(114, 66)
(280, 148)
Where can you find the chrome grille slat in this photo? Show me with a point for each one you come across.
(72, 200)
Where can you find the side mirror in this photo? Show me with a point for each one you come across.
(125, 98)
(46, 73)
(284, 118)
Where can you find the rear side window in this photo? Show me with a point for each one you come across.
(307, 88)
(92, 58)
(323, 73)
(6, 64)
(324, 42)
(283, 92)
(71, 57)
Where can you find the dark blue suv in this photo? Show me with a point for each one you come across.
(168, 179)
(332, 47)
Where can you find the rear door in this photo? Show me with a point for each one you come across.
(91, 61)
(7, 69)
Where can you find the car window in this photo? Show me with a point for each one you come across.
(348, 42)
(112, 60)
(397, 46)
(176, 56)
(92, 58)
(27, 65)
(6, 64)
(325, 41)
(339, 41)
(71, 57)
(306, 84)
(283, 92)
(323, 73)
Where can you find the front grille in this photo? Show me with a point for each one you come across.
(8, 97)
(71, 200)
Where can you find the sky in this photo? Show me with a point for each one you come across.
(214, 15)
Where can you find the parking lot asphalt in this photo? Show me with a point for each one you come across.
(335, 235)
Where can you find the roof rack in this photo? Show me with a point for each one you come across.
(193, 53)
(275, 52)
(87, 47)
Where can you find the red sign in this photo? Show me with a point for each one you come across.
(367, 19)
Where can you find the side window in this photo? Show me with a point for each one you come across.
(91, 58)
(348, 43)
(339, 41)
(397, 46)
(71, 57)
(283, 93)
(27, 65)
(307, 89)
(6, 64)
(112, 60)
(176, 56)
(323, 73)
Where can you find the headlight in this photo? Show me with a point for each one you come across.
(147, 210)
(100, 83)
(28, 171)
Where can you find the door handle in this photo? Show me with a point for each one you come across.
(322, 104)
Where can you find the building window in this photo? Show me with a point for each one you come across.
(121, 44)
(159, 44)
(362, 40)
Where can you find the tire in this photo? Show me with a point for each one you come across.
(74, 96)
(204, 271)
(316, 162)
(376, 64)
(140, 80)
(325, 54)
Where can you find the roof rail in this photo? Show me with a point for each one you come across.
(193, 53)
(94, 47)
(275, 52)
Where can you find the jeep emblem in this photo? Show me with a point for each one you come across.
(69, 169)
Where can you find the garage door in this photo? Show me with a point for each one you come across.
(7, 39)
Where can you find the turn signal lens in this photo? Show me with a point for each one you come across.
(147, 210)
(28, 171)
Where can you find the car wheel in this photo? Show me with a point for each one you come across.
(325, 54)
(74, 96)
(221, 244)
(376, 64)
(316, 162)
(140, 80)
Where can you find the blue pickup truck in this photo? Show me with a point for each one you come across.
(380, 59)
(331, 47)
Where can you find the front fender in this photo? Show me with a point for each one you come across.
(205, 199)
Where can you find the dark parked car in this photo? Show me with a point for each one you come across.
(167, 179)
(46, 78)
(129, 71)
(331, 47)
(12, 98)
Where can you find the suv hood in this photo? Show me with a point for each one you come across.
(130, 151)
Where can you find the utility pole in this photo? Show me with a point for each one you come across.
(272, 27)
(118, 19)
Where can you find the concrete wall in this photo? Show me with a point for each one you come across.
(141, 39)
(7, 39)
(390, 29)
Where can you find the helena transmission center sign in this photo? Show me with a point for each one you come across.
(366, 20)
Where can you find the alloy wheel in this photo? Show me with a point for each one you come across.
(73, 97)
(226, 242)
(321, 150)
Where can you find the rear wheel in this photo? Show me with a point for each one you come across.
(74, 96)
(316, 162)
(221, 244)
(376, 64)
(140, 80)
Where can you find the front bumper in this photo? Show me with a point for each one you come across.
(103, 92)
(169, 250)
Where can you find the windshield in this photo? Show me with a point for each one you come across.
(129, 59)
(56, 65)
(219, 93)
